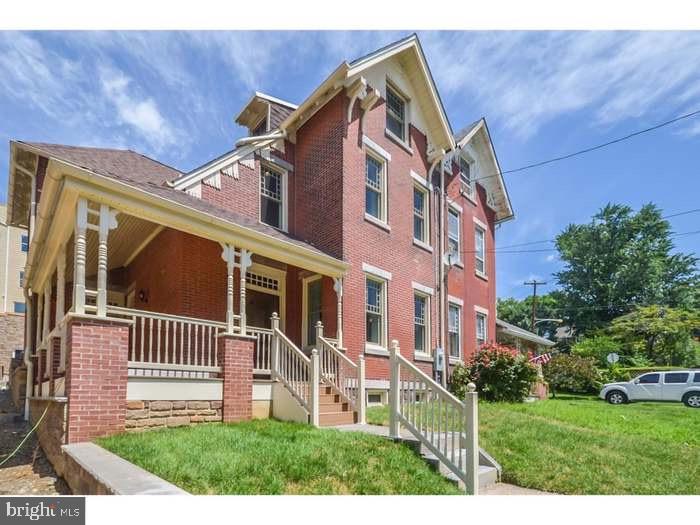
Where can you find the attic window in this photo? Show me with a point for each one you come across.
(395, 113)
(261, 128)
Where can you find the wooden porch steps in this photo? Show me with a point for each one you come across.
(332, 410)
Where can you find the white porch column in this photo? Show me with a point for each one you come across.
(79, 256)
(28, 347)
(108, 221)
(39, 319)
(245, 262)
(61, 301)
(227, 254)
(47, 309)
(394, 390)
(338, 287)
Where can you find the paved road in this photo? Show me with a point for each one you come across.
(28, 472)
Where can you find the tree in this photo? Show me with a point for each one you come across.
(661, 334)
(519, 312)
(621, 260)
(597, 347)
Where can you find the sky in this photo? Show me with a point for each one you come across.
(174, 95)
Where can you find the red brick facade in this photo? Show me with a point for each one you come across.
(96, 376)
(236, 361)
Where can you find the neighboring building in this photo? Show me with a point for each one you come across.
(511, 335)
(14, 243)
(332, 210)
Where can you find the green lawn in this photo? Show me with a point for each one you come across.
(582, 445)
(272, 457)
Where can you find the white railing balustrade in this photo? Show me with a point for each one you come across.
(292, 368)
(263, 349)
(445, 425)
(339, 372)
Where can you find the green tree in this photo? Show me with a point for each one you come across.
(619, 260)
(661, 334)
(597, 347)
(519, 312)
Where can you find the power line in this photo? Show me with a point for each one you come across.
(678, 214)
(592, 148)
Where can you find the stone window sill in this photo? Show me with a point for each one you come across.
(401, 143)
(377, 222)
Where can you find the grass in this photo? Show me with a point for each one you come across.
(582, 445)
(272, 457)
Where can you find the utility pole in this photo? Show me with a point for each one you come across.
(534, 283)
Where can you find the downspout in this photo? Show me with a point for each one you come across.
(276, 135)
(27, 352)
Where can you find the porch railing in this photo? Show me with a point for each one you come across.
(293, 369)
(341, 373)
(445, 425)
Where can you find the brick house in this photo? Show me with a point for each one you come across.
(158, 297)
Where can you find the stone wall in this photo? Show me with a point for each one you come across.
(18, 387)
(146, 415)
(11, 339)
(52, 429)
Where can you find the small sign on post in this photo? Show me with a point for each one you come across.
(613, 358)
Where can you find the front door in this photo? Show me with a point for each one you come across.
(259, 307)
(312, 310)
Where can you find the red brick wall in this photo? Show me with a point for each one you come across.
(96, 375)
(236, 361)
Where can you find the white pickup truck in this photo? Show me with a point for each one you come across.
(675, 385)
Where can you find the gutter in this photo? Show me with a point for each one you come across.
(27, 353)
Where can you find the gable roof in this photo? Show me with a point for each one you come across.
(150, 176)
(277, 110)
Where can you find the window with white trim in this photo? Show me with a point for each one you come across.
(375, 311)
(481, 328)
(421, 323)
(395, 113)
(454, 330)
(454, 245)
(375, 187)
(479, 250)
(272, 197)
(24, 243)
(421, 228)
(465, 176)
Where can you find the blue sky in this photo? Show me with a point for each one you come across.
(173, 95)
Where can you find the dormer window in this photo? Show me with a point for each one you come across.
(465, 177)
(260, 128)
(395, 113)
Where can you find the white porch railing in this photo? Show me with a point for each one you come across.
(445, 425)
(263, 349)
(292, 368)
(344, 376)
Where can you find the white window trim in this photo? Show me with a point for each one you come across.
(382, 347)
(481, 310)
(426, 290)
(478, 225)
(384, 197)
(458, 209)
(285, 200)
(426, 217)
(376, 272)
(273, 273)
(406, 116)
(427, 352)
(454, 301)
(376, 148)
(470, 191)
(485, 315)
(421, 180)
(481, 224)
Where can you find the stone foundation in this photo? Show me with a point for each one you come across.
(146, 415)
(52, 430)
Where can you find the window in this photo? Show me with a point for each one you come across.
(261, 128)
(479, 251)
(421, 323)
(374, 312)
(21, 279)
(676, 377)
(271, 197)
(465, 176)
(696, 379)
(480, 328)
(20, 308)
(420, 214)
(649, 379)
(454, 324)
(395, 113)
(374, 398)
(374, 188)
(453, 241)
(24, 243)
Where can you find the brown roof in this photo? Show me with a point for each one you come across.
(150, 176)
(278, 113)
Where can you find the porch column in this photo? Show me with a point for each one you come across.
(39, 317)
(108, 221)
(61, 301)
(228, 255)
(245, 262)
(46, 323)
(79, 256)
(338, 287)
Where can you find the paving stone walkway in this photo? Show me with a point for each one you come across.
(28, 472)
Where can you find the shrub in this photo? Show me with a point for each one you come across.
(571, 373)
(500, 373)
(597, 347)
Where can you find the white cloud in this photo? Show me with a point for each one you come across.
(550, 258)
(140, 113)
(525, 79)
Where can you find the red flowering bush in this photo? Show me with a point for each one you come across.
(499, 372)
